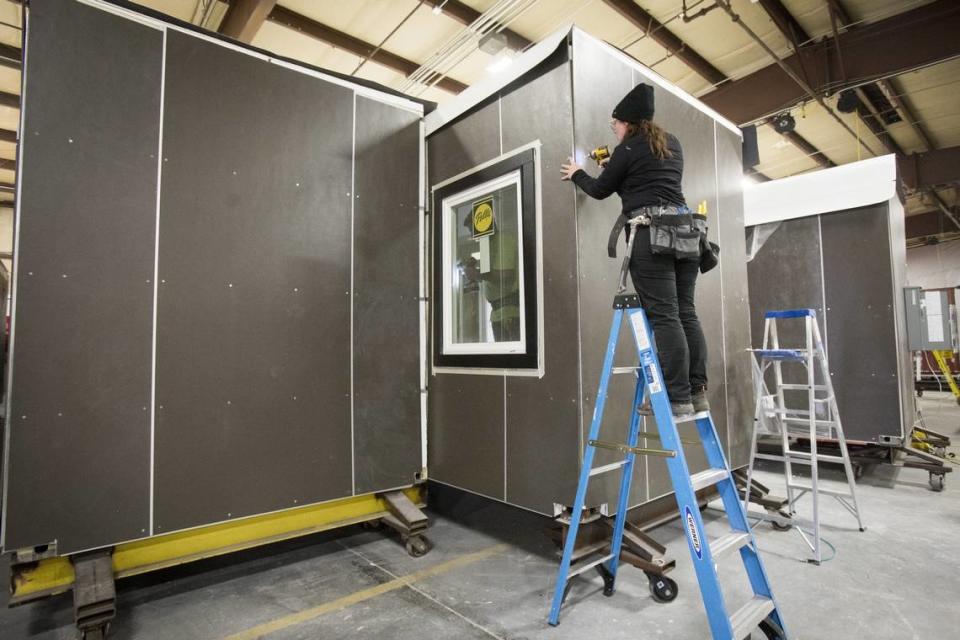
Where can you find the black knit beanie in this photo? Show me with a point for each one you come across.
(636, 105)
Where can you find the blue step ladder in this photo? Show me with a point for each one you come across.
(761, 610)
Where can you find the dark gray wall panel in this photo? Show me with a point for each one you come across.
(253, 353)
(861, 334)
(543, 415)
(466, 438)
(786, 274)
(80, 425)
(736, 302)
(595, 95)
(470, 141)
(386, 316)
(466, 412)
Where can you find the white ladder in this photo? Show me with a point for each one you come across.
(821, 417)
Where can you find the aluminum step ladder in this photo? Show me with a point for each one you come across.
(761, 610)
(820, 420)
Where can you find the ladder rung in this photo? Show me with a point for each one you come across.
(750, 615)
(803, 387)
(779, 458)
(708, 478)
(691, 417)
(819, 423)
(821, 457)
(799, 355)
(829, 492)
(622, 370)
(589, 565)
(607, 467)
(730, 542)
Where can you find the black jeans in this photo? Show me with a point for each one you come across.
(666, 287)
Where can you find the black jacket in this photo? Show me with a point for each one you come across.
(639, 178)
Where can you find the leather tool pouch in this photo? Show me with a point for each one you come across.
(677, 234)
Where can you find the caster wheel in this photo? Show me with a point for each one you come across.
(418, 546)
(371, 525)
(919, 393)
(663, 589)
(937, 482)
(95, 633)
(771, 630)
(857, 471)
(778, 526)
(940, 452)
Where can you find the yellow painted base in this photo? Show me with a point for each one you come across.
(55, 575)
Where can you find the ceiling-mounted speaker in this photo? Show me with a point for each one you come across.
(784, 122)
(848, 101)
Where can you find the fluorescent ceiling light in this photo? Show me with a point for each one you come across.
(500, 62)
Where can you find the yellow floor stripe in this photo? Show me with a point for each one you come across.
(309, 614)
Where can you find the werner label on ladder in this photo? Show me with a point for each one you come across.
(761, 611)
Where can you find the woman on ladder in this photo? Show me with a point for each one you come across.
(645, 170)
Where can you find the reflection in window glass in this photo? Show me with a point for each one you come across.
(485, 269)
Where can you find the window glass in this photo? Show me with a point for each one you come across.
(484, 269)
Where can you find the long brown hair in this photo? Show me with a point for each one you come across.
(655, 135)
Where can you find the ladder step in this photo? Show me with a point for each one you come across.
(622, 370)
(691, 417)
(589, 565)
(730, 542)
(708, 478)
(799, 355)
(607, 467)
(821, 457)
(773, 457)
(750, 615)
(803, 387)
(829, 492)
(819, 423)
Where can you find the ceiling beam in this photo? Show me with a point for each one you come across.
(319, 31)
(9, 100)
(467, 15)
(923, 171)
(8, 136)
(891, 88)
(11, 56)
(908, 41)
(665, 38)
(808, 149)
(930, 223)
(786, 23)
(6, 186)
(8, 164)
(244, 18)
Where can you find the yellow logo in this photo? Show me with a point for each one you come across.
(483, 218)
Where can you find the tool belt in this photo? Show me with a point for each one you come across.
(509, 300)
(673, 231)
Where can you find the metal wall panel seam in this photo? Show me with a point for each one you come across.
(504, 438)
(538, 230)
(156, 279)
(422, 303)
(897, 304)
(154, 23)
(576, 253)
(352, 292)
(16, 275)
(723, 301)
(823, 291)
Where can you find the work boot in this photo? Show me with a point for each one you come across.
(699, 401)
(681, 409)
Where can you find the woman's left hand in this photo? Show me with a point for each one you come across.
(567, 170)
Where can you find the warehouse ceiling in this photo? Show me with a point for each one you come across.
(904, 79)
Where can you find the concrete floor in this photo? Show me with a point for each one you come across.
(491, 574)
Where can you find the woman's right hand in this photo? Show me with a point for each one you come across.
(567, 170)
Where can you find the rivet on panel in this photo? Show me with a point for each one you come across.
(70, 140)
(234, 173)
(229, 402)
(295, 289)
(298, 184)
(230, 284)
(63, 275)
